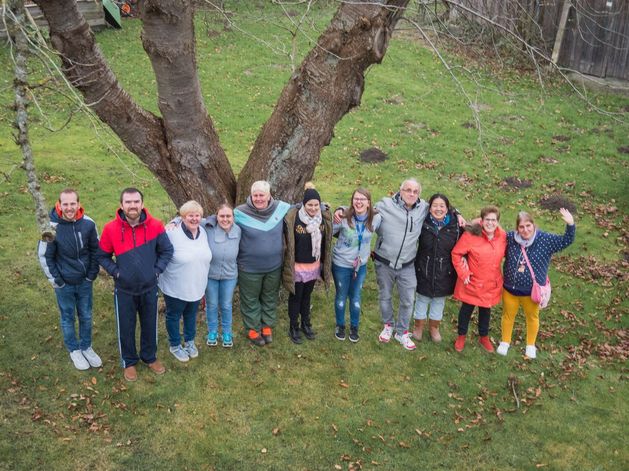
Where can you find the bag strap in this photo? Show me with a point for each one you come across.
(528, 264)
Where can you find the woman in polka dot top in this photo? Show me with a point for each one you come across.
(540, 247)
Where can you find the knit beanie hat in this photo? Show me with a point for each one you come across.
(311, 194)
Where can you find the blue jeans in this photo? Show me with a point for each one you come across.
(77, 298)
(348, 286)
(219, 293)
(422, 304)
(175, 310)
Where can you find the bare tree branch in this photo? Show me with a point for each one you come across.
(17, 39)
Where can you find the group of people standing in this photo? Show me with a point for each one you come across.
(423, 249)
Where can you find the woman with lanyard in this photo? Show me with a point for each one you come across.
(349, 259)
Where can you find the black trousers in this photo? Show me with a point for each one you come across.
(299, 303)
(465, 313)
(128, 308)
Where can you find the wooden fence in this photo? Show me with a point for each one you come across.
(92, 11)
(593, 38)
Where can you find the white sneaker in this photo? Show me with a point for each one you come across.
(191, 349)
(92, 358)
(386, 333)
(502, 349)
(80, 363)
(531, 352)
(179, 353)
(405, 340)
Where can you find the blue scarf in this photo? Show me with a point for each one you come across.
(440, 224)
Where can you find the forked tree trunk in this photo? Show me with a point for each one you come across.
(181, 148)
(328, 84)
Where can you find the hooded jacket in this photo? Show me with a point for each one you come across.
(72, 257)
(142, 252)
(436, 275)
(399, 231)
(483, 264)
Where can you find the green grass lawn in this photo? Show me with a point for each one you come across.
(330, 404)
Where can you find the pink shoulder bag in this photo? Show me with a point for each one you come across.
(539, 294)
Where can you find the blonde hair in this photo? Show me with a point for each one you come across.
(190, 207)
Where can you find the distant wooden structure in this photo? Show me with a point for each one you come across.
(587, 36)
(92, 11)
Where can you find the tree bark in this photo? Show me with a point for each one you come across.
(181, 147)
(328, 84)
(18, 38)
(199, 163)
(184, 154)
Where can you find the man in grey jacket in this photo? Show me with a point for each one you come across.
(396, 248)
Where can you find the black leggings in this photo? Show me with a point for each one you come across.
(300, 303)
(465, 313)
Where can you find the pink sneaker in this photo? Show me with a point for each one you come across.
(386, 333)
(405, 340)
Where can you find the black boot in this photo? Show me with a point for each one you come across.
(295, 335)
(308, 332)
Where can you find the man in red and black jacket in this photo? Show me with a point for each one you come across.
(142, 251)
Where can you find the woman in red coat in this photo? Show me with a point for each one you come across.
(476, 258)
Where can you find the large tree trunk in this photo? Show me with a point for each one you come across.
(329, 83)
(182, 147)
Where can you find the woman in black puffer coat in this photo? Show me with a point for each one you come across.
(436, 277)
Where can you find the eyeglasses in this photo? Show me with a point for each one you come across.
(360, 199)
(409, 190)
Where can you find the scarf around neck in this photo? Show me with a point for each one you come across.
(524, 243)
(313, 227)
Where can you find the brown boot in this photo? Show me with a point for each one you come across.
(434, 330)
(418, 331)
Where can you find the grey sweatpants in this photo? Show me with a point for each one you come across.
(406, 283)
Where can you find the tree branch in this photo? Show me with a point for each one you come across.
(327, 85)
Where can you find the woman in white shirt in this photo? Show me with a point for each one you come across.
(184, 281)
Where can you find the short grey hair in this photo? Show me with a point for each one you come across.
(261, 185)
(411, 180)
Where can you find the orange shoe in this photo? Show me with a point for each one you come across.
(486, 343)
(460, 343)
(267, 334)
(255, 338)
